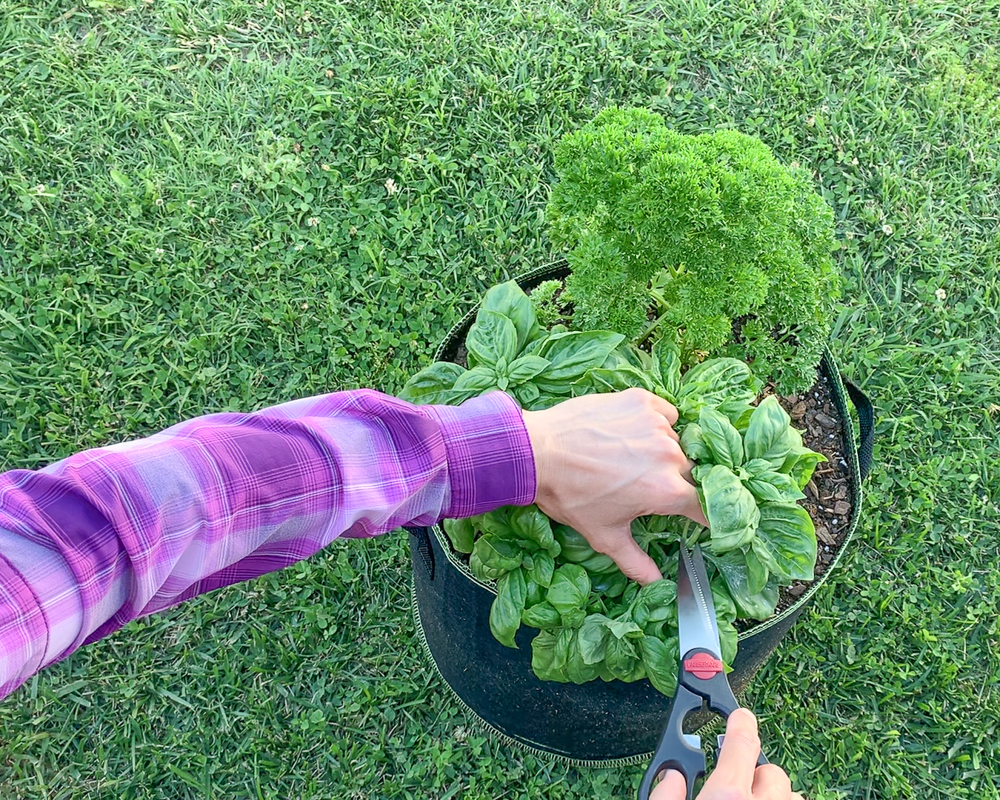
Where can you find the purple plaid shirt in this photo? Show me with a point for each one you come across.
(115, 533)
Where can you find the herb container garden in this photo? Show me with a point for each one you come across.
(611, 723)
(698, 268)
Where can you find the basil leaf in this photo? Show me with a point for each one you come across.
(496, 521)
(577, 669)
(738, 412)
(661, 661)
(573, 618)
(477, 380)
(569, 589)
(525, 368)
(721, 438)
(530, 523)
(757, 573)
(435, 384)
(667, 366)
(766, 435)
(755, 605)
(571, 355)
(731, 510)
(491, 338)
(564, 639)
(461, 534)
(542, 569)
(693, 443)
(593, 638)
(700, 473)
(729, 637)
(609, 584)
(526, 394)
(598, 563)
(536, 593)
(623, 628)
(786, 541)
(773, 487)
(659, 599)
(622, 659)
(615, 380)
(497, 556)
(574, 547)
(505, 613)
(802, 466)
(714, 382)
(541, 615)
(543, 657)
(510, 301)
(756, 466)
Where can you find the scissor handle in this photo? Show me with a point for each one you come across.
(682, 752)
(675, 750)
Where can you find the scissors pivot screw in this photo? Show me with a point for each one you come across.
(703, 666)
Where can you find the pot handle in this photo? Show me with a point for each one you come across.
(420, 538)
(866, 419)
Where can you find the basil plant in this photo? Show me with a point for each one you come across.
(751, 467)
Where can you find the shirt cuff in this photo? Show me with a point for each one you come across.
(490, 460)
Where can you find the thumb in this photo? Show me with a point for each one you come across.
(672, 787)
(632, 560)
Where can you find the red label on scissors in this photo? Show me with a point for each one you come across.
(703, 666)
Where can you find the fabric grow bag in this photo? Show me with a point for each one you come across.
(597, 723)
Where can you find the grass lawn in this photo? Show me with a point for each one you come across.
(223, 205)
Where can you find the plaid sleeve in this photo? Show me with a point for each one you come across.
(115, 533)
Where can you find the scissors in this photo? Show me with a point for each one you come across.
(701, 679)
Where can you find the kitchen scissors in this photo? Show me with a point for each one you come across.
(701, 679)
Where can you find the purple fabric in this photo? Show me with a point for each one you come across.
(115, 533)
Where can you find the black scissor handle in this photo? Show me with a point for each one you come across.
(674, 751)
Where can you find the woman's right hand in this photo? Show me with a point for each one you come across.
(736, 776)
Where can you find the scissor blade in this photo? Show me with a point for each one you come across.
(695, 609)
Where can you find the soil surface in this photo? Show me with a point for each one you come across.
(829, 499)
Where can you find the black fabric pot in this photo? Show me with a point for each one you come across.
(596, 723)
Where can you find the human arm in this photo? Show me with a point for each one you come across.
(108, 535)
(102, 537)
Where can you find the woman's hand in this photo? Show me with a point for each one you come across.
(736, 776)
(604, 459)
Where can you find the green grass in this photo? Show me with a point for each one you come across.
(160, 167)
